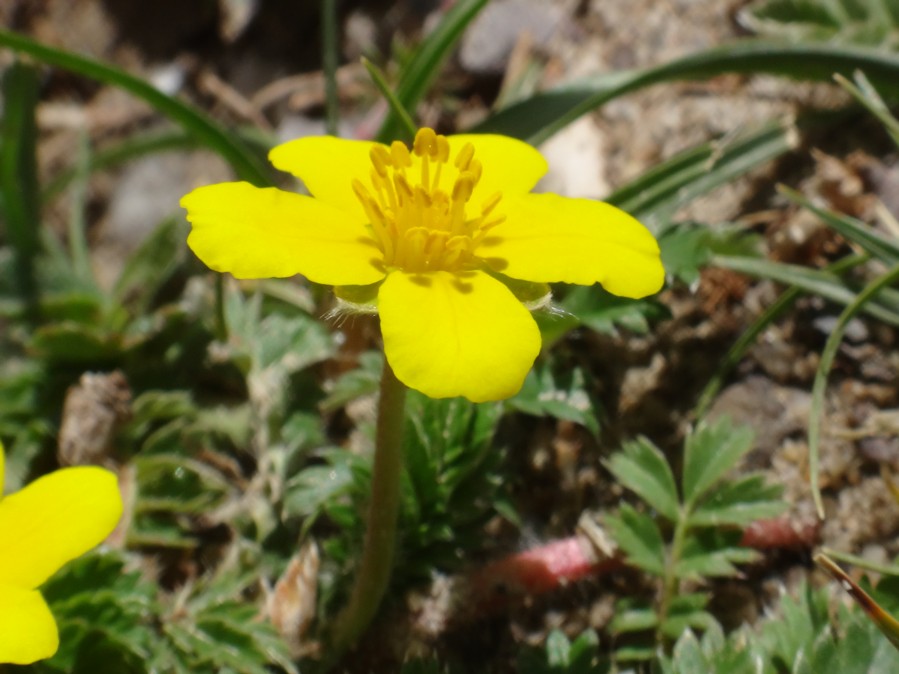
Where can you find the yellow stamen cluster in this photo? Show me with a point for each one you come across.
(417, 222)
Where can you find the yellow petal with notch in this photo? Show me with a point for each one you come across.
(548, 239)
(27, 630)
(327, 166)
(53, 520)
(509, 166)
(256, 232)
(456, 334)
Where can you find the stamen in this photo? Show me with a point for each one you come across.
(400, 155)
(380, 159)
(423, 141)
(463, 159)
(419, 225)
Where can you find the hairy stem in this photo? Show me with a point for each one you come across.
(373, 573)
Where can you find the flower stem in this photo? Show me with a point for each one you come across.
(373, 573)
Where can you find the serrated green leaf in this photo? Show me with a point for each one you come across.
(689, 655)
(710, 451)
(641, 467)
(562, 397)
(712, 553)
(633, 620)
(639, 537)
(739, 503)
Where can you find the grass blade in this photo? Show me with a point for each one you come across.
(664, 188)
(539, 117)
(863, 92)
(407, 124)
(425, 65)
(869, 292)
(245, 163)
(18, 175)
(884, 248)
(824, 283)
(884, 621)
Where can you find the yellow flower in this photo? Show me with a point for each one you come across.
(50, 522)
(433, 232)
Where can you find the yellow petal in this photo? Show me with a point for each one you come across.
(463, 334)
(509, 165)
(53, 520)
(327, 166)
(27, 630)
(264, 233)
(547, 238)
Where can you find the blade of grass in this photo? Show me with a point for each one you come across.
(868, 293)
(679, 180)
(18, 177)
(736, 352)
(826, 284)
(77, 225)
(245, 163)
(539, 117)
(883, 248)
(425, 64)
(846, 558)
(884, 621)
(865, 93)
(405, 119)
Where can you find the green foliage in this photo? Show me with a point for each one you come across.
(111, 620)
(799, 637)
(864, 22)
(562, 397)
(692, 532)
(563, 656)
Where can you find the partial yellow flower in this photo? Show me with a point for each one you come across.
(50, 522)
(433, 232)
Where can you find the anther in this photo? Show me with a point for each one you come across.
(400, 155)
(423, 141)
(443, 149)
(463, 159)
(380, 159)
(463, 187)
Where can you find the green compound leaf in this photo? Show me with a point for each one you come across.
(712, 554)
(246, 164)
(564, 656)
(642, 468)
(687, 611)
(710, 451)
(561, 397)
(739, 503)
(638, 535)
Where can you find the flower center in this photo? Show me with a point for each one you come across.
(418, 207)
